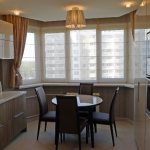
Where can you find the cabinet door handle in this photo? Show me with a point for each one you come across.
(138, 90)
(21, 113)
(1, 125)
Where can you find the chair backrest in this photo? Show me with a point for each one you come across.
(67, 118)
(43, 105)
(86, 88)
(112, 105)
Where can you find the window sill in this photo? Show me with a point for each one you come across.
(76, 84)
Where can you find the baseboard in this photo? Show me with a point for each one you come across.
(124, 119)
(32, 118)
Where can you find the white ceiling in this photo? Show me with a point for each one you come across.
(53, 10)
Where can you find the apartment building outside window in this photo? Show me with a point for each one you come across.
(54, 50)
(112, 51)
(28, 61)
(83, 54)
(31, 62)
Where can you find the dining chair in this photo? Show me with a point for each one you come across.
(67, 118)
(87, 89)
(45, 115)
(108, 118)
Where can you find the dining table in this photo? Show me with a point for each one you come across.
(88, 103)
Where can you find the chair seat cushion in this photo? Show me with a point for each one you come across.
(49, 116)
(100, 117)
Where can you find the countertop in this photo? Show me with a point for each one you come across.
(8, 95)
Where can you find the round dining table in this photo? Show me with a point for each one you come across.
(87, 102)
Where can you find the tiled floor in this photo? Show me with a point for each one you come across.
(27, 140)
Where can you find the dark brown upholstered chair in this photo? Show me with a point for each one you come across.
(67, 118)
(45, 115)
(87, 89)
(108, 118)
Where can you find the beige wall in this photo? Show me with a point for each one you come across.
(124, 104)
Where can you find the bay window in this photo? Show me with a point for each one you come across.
(90, 55)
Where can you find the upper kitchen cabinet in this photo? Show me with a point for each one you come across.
(6, 40)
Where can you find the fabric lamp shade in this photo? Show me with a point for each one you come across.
(75, 18)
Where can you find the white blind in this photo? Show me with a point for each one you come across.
(91, 54)
(54, 55)
(31, 62)
(112, 53)
(140, 61)
(83, 54)
(27, 68)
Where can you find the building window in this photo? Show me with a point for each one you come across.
(141, 45)
(112, 54)
(96, 55)
(83, 54)
(54, 51)
(27, 68)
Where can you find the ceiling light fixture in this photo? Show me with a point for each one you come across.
(128, 3)
(16, 12)
(143, 3)
(75, 18)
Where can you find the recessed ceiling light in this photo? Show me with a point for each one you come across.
(16, 12)
(143, 3)
(69, 7)
(128, 3)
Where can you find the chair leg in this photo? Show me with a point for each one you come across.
(115, 128)
(95, 127)
(79, 140)
(45, 125)
(61, 137)
(87, 133)
(39, 124)
(112, 134)
(57, 139)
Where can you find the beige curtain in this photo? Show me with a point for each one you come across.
(20, 26)
(132, 20)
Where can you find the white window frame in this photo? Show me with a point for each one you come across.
(52, 30)
(36, 31)
(40, 54)
(74, 81)
(115, 80)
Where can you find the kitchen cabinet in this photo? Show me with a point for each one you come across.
(147, 136)
(6, 40)
(140, 100)
(12, 116)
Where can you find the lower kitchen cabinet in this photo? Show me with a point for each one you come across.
(6, 134)
(12, 116)
(139, 125)
(147, 136)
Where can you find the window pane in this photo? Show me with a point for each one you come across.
(83, 54)
(55, 55)
(112, 54)
(27, 68)
(140, 42)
